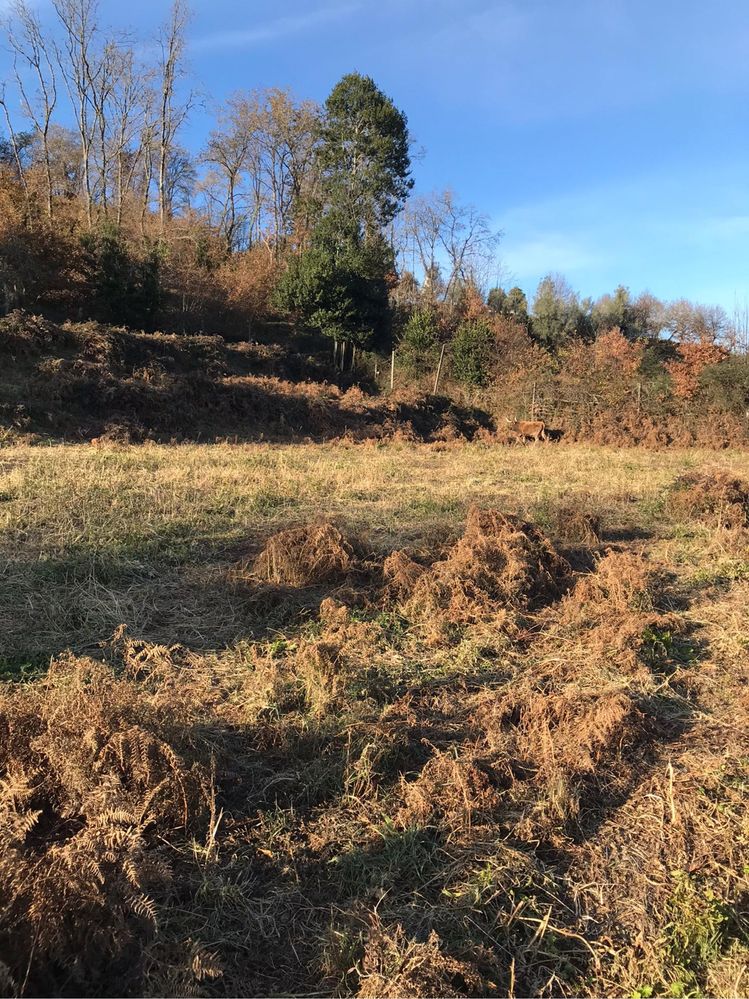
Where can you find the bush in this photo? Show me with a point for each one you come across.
(124, 286)
(472, 351)
(344, 297)
(726, 384)
(419, 345)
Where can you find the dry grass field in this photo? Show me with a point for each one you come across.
(375, 720)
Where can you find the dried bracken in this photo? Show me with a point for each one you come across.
(401, 573)
(500, 564)
(454, 790)
(576, 521)
(306, 556)
(717, 498)
(451, 769)
(395, 966)
(87, 783)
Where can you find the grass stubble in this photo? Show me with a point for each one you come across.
(376, 720)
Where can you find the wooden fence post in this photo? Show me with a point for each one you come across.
(392, 370)
(533, 403)
(439, 370)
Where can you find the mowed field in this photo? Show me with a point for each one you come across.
(376, 720)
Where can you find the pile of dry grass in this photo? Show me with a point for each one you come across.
(716, 498)
(500, 564)
(401, 573)
(396, 966)
(306, 556)
(455, 791)
(557, 752)
(573, 729)
(576, 521)
(621, 582)
(611, 611)
(89, 786)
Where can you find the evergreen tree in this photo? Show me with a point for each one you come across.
(511, 304)
(364, 159)
(339, 284)
(472, 350)
(558, 314)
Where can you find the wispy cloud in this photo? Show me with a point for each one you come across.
(675, 233)
(271, 31)
(550, 251)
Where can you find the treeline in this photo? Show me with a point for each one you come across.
(305, 213)
(609, 386)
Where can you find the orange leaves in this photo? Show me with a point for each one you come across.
(692, 361)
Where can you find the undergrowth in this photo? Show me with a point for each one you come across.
(483, 756)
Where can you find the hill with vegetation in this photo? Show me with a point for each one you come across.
(91, 381)
(309, 685)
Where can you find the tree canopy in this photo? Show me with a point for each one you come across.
(364, 157)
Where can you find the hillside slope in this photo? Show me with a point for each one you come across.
(88, 381)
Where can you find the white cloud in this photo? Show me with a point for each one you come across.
(271, 31)
(549, 251)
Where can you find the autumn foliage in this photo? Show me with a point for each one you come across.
(691, 361)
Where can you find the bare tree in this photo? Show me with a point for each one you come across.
(129, 100)
(450, 238)
(80, 69)
(15, 146)
(148, 148)
(690, 322)
(228, 152)
(179, 179)
(172, 111)
(101, 91)
(65, 162)
(263, 166)
(740, 325)
(288, 137)
(31, 49)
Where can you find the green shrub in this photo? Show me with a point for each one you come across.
(419, 345)
(125, 286)
(726, 385)
(472, 351)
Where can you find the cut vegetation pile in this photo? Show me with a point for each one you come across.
(717, 498)
(484, 773)
(576, 521)
(501, 563)
(305, 556)
(93, 778)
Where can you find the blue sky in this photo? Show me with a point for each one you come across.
(608, 139)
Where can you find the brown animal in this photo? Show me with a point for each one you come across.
(525, 429)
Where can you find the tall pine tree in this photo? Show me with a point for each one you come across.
(339, 283)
